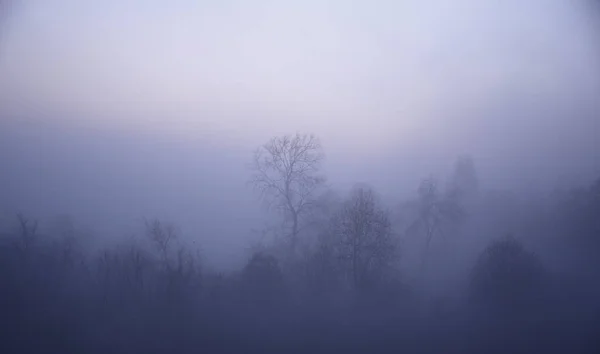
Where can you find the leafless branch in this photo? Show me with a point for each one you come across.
(286, 175)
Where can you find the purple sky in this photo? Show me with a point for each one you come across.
(395, 89)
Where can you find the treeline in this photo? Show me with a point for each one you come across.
(330, 280)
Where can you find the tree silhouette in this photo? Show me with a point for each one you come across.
(506, 275)
(434, 212)
(362, 238)
(286, 172)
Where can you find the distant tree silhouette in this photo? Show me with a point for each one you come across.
(286, 172)
(436, 213)
(506, 276)
(464, 183)
(361, 237)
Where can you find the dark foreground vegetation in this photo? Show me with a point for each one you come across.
(332, 282)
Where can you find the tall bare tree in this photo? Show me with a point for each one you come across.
(435, 212)
(286, 171)
(362, 236)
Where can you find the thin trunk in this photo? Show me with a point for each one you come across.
(354, 262)
(428, 236)
(294, 213)
(294, 230)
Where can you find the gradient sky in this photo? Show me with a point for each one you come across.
(395, 89)
(380, 69)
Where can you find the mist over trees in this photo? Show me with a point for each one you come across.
(445, 197)
(341, 283)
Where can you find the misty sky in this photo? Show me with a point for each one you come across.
(135, 107)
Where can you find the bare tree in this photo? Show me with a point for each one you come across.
(362, 237)
(27, 235)
(435, 211)
(179, 261)
(162, 235)
(286, 172)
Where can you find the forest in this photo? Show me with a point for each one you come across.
(457, 268)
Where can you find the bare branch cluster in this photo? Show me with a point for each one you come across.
(363, 239)
(161, 235)
(435, 211)
(286, 173)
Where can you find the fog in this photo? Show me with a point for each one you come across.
(114, 113)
